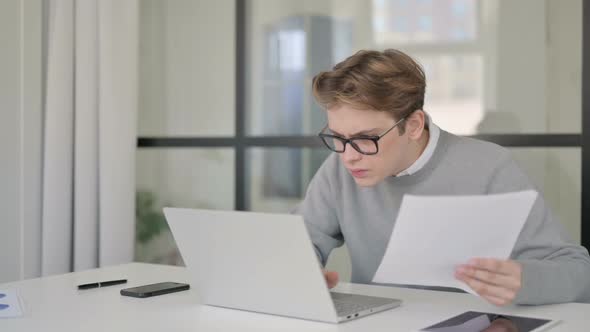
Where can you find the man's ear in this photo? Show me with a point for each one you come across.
(415, 124)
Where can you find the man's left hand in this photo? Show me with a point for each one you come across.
(496, 280)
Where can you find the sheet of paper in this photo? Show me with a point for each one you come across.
(10, 304)
(435, 234)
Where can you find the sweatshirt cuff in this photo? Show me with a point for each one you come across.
(542, 284)
(319, 255)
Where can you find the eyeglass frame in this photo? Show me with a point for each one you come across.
(345, 141)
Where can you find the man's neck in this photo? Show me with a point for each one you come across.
(416, 149)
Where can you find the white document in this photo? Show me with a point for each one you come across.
(435, 234)
(10, 304)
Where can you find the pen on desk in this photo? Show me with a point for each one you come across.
(102, 284)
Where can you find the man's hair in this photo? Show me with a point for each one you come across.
(388, 81)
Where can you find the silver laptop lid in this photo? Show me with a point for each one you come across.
(252, 261)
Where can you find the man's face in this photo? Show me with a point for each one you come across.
(369, 170)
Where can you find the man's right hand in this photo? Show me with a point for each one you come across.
(331, 278)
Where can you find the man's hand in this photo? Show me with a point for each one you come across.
(496, 280)
(331, 278)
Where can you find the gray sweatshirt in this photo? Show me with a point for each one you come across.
(337, 210)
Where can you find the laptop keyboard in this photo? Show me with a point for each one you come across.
(347, 304)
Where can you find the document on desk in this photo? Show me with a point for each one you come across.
(10, 304)
(435, 234)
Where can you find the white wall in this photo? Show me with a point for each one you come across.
(538, 80)
(564, 58)
(187, 67)
(20, 138)
(564, 100)
(187, 88)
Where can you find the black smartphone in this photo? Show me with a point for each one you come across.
(154, 289)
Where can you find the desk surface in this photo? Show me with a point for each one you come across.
(54, 304)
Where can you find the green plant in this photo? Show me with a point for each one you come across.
(150, 221)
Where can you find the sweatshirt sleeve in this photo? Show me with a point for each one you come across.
(554, 269)
(319, 211)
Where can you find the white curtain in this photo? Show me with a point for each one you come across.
(90, 116)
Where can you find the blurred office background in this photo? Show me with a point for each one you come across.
(221, 106)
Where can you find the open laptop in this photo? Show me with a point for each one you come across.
(263, 263)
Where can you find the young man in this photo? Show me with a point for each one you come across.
(386, 146)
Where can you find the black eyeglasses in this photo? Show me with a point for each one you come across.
(367, 145)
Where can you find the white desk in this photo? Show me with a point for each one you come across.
(54, 304)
